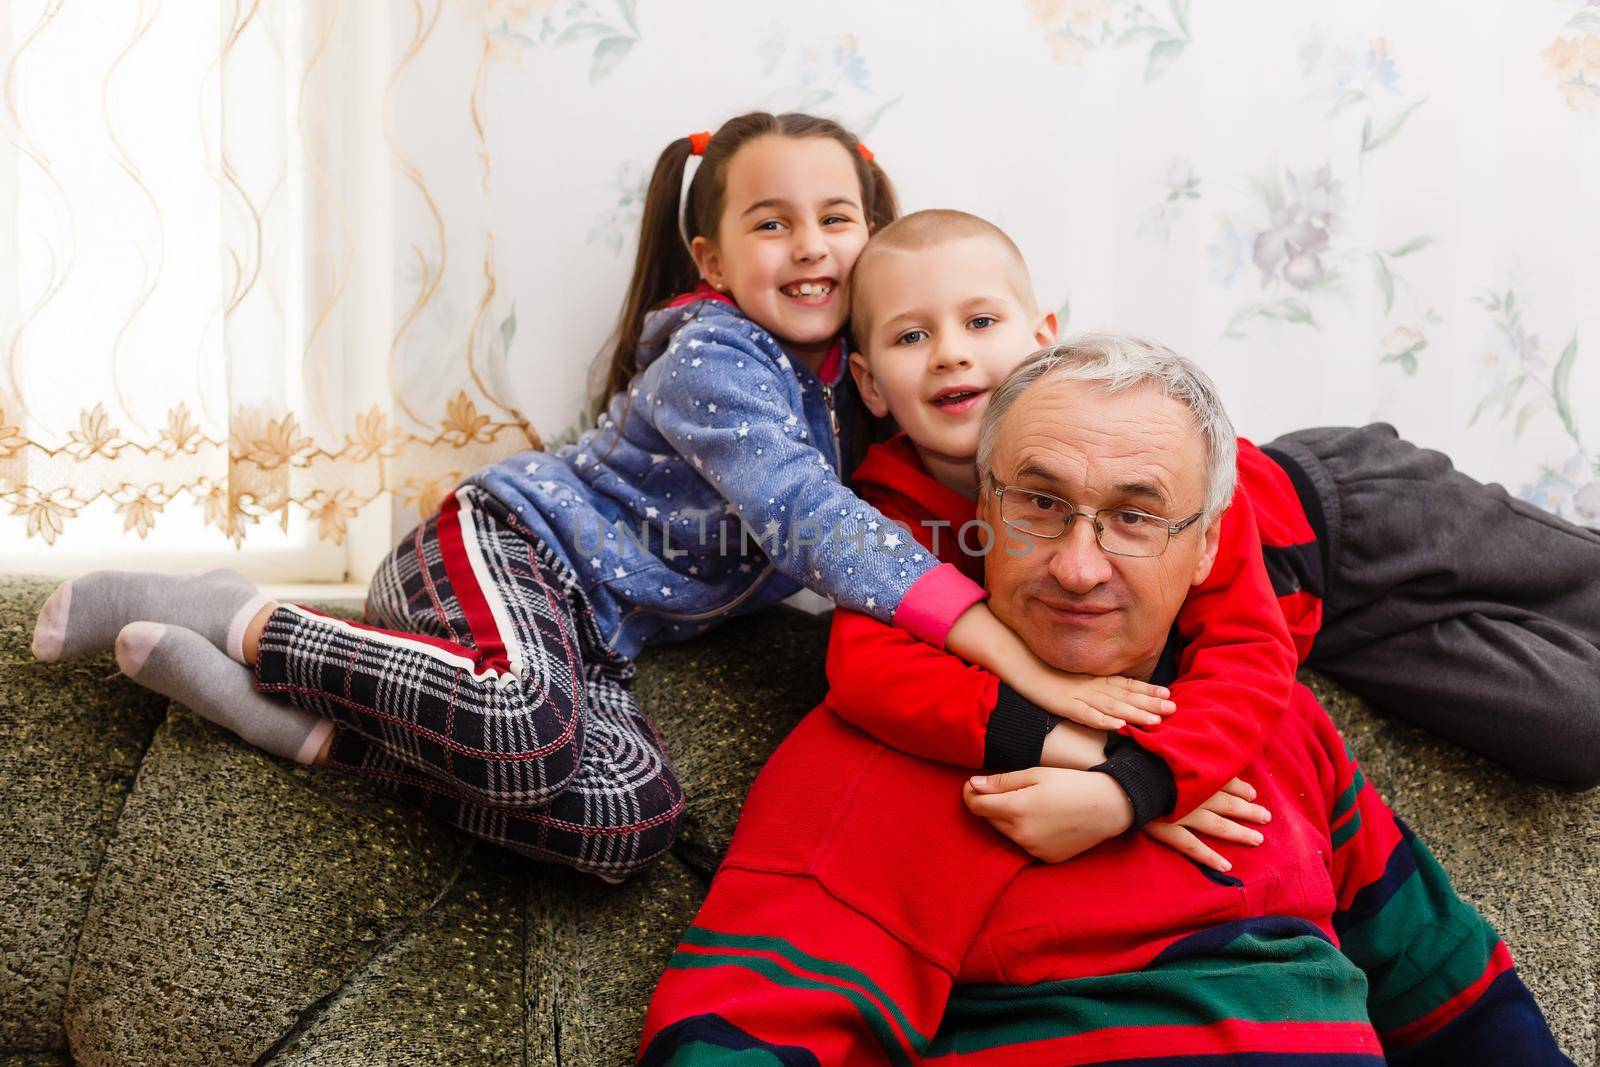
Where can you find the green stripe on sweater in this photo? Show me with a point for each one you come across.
(1341, 836)
(805, 961)
(1422, 947)
(876, 1021)
(706, 1054)
(1289, 980)
(1348, 797)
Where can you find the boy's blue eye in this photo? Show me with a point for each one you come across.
(982, 322)
(910, 337)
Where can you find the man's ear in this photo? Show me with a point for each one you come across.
(709, 260)
(1208, 550)
(1045, 331)
(867, 385)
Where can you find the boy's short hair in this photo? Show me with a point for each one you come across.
(925, 229)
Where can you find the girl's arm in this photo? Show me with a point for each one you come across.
(724, 396)
(913, 697)
(929, 703)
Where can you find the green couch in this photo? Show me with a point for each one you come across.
(172, 896)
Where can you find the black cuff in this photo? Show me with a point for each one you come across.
(1015, 737)
(1143, 775)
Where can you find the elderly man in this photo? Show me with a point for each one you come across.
(864, 914)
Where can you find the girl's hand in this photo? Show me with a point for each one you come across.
(1105, 703)
(1052, 813)
(979, 636)
(1217, 818)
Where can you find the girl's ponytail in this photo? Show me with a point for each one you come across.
(662, 269)
(883, 207)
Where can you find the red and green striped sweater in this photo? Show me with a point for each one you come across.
(862, 915)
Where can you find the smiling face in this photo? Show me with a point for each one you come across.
(792, 225)
(944, 325)
(1078, 607)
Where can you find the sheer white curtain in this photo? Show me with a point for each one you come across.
(248, 314)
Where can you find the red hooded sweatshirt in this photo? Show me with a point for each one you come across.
(1241, 634)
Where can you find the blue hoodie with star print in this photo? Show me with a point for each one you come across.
(710, 488)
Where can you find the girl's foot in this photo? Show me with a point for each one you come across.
(180, 664)
(85, 614)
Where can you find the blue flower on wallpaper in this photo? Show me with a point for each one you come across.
(1182, 185)
(1354, 65)
(1357, 73)
(1513, 363)
(827, 75)
(846, 57)
(1520, 375)
(1571, 491)
(620, 221)
(1229, 252)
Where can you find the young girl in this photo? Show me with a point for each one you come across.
(487, 681)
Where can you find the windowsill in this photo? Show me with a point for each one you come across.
(344, 593)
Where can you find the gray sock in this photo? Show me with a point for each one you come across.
(85, 614)
(181, 664)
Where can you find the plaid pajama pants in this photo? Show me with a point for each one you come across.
(488, 696)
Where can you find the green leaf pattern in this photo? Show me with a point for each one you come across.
(610, 31)
(1075, 28)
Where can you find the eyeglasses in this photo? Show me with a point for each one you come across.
(1118, 531)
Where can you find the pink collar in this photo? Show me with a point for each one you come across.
(832, 363)
(703, 291)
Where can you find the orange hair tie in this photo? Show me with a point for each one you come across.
(698, 142)
(866, 153)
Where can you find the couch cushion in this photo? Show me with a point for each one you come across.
(237, 892)
(723, 702)
(444, 988)
(594, 956)
(70, 742)
(248, 907)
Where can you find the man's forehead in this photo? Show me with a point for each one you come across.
(1137, 443)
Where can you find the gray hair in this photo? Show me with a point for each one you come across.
(1116, 363)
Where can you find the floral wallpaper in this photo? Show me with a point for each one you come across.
(1347, 213)
(1344, 215)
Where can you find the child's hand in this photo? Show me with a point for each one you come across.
(979, 636)
(1107, 703)
(1216, 818)
(1052, 813)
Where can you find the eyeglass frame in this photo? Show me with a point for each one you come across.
(1073, 511)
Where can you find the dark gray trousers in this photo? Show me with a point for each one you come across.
(1453, 605)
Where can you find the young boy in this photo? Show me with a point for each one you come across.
(1442, 599)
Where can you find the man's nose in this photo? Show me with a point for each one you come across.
(1078, 563)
